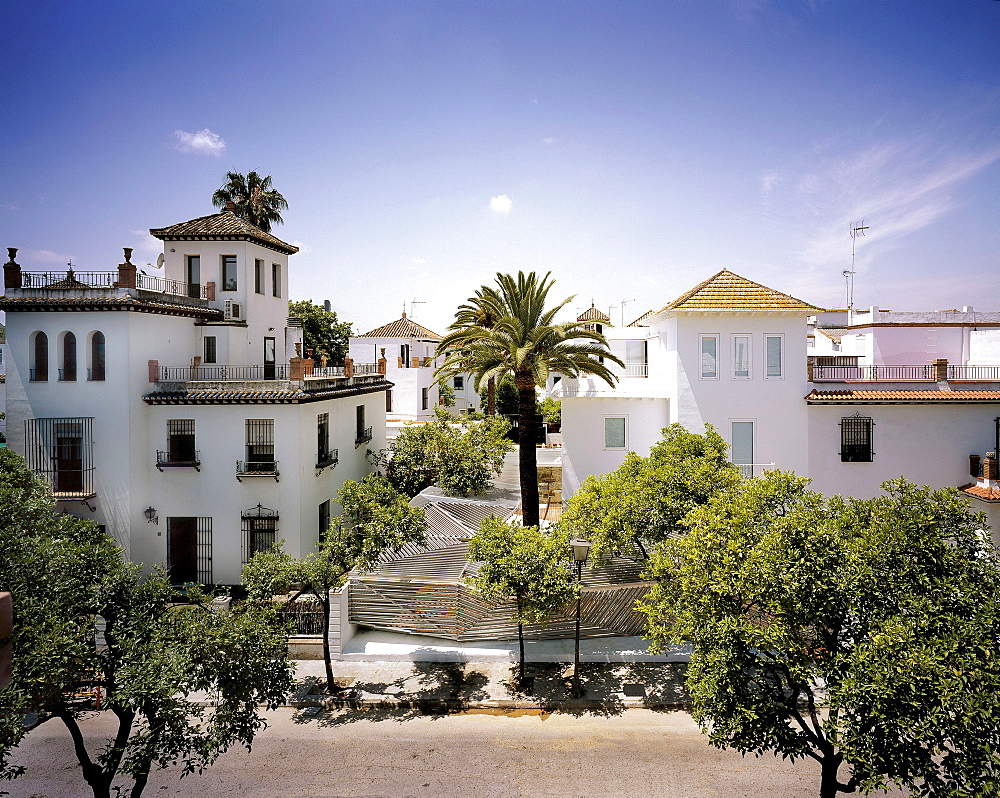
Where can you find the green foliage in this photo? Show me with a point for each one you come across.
(322, 331)
(861, 633)
(551, 410)
(378, 521)
(507, 399)
(645, 500)
(63, 572)
(458, 455)
(507, 330)
(446, 394)
(255, 199)
(525, 565)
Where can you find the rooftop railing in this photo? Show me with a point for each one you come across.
(222, 373)
(974, 373)
(69, 278)
(161, 285)
(924, 373)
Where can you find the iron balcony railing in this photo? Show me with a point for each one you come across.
(256, 468)
(327, 459)
(363, 436)
(873, 373)
(974, 373)
(168, 460)
(38, 375)
(366, 368)
(222, 373)
(95, 375)
(637, 370)
(161, 285)
(67, 375)
(747, 470)
(328, 371)
(68, 279)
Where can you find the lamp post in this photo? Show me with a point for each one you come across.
(581, 548)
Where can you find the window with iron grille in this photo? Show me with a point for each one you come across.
(260, 530)
(189, 550)
(180, 440)
(260, 442)
(62, 450)
(323, 438)
(856, 439)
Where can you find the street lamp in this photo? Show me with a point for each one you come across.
(581, 548)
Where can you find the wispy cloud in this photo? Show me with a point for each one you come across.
(203, 142)
(418, 261)
(501, 203)
(146, 244)
(48, 256)
(550, 140)
(304, 249)
(769, 180)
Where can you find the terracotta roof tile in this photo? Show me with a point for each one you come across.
(642, 318)
(236, 396)
(226, 226)
(593, 314)
(986, 494)
(728, 291)
(838, 397)
(402, 328)
(126, 302)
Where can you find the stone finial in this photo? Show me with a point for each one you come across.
(11, 254)
(12, 270)
(128, 254)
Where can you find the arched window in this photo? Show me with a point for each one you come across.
(96, 372)
(40, 358)
(68, 371)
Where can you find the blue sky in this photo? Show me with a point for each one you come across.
(631, 148)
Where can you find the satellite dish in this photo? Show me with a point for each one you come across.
(159, 261)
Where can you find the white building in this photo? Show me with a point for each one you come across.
(408, 349)
(911, 397)
(177, 411)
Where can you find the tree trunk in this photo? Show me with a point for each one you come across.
(520, 643)
(527, 457)
(331, 686)
(830, 787)
(491, 396)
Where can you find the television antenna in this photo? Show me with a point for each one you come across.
(413, 302)
(857, 230)
(624, 303)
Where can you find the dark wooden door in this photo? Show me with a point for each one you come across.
(182, 549)
(69, 464)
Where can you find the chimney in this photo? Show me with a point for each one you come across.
(230, 206)
(326, 305)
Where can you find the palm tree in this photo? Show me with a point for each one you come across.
(254, 197)
(525, 342)
(479, 312)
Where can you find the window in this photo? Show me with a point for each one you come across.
(459, 383)
(774, 357)
(189, 550)
(710, 357)
(741, 357)
(388, 401)
(324, 455)
(276, 279)
(211, 352)
(260, 528)
(636, 358)
(363, 434)
(742, 437)
(194, 275)
(97, 371)
(61, 450)
(404, 355)
(68, 371)
(258, 276)
(260, 444)
(228, 272)
(424, 397)
(856, 439)
(324, 519)
(40, 358)
(614, 432)
(180, 441)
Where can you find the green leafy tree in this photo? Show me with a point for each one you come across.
(551, 410)
(63, 573)
(526, 342)
(446, 394)
(861, 633)
(255, 198)
(645, 500)
(379, 521)
(459, 456)
(525, 565)
(322, 331)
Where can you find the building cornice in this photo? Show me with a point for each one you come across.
(217, 397)
(57, 305)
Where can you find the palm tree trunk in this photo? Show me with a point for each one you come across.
(491, 396)
(527, 457)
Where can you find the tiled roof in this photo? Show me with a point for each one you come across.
(896, 397)
(986, 494)
(224, 226)
(643, 317)
(125, 302)
(402, 328)
(593, 314)
(728, 291)
(833, 333)
(237, 396)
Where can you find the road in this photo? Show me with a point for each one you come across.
(397, 754)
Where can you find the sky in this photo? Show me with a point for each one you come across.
(633, 149)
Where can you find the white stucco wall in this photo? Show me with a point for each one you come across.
(984, 347)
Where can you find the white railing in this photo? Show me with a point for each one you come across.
(747, 469)
(637, 370)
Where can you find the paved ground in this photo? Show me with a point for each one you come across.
(397, 754)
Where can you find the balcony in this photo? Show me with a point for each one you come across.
(178, 460)
(257, 468)
(72, 280)
(974, 373)
(67, 375)
(924, 373)
(327, 459)
(637, 370)
(363, 436)
(218, 373)
(750, 470)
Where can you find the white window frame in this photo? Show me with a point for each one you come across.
(733, 338)
(701, 355)
(781, 363)
(604, 433)
(754, 444)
